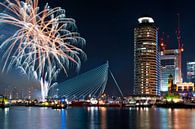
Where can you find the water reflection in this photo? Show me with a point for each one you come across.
(93, 115)
(103, 118)
(6, 111)
(144, 117)
(96, 118)
(63, 119)
(166, 118)
(181, 118)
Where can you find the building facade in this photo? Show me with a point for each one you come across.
(191, 71)
(169, 66)
(185, 87)
(146, 58)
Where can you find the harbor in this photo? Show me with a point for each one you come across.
(117, 102)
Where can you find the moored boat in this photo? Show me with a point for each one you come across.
(4, 102)
(59, 106)
(80, 103)
(176, 105)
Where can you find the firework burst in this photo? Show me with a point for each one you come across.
(45, 42)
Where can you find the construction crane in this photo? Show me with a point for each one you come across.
(163, 41)
(180, 48)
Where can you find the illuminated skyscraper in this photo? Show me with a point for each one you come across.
(191, 71)
(146, 58)
(169, 66)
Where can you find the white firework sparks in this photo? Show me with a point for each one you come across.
(44, 43)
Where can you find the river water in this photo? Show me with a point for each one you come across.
(96, 118)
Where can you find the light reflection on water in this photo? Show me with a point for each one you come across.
(103, 118)
(63, 119)
(6, 110)
(96, 118)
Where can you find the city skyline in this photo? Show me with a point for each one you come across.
(108, 30)
(108, 26)
(114, 64)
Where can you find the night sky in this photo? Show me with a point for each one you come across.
(107, 26)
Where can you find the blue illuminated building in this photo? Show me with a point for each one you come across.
(191, 71)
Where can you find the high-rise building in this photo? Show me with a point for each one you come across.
(146, 58)
(169, 66)
(191, 71)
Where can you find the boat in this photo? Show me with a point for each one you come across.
(80, 103)
(176, 105)
(115, 105)
(190, 104)
(130, 103)
(143, 103)
(59, 106)
(4, 102)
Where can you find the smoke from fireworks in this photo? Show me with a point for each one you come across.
(45, 42)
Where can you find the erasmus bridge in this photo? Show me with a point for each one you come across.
(89, 84)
